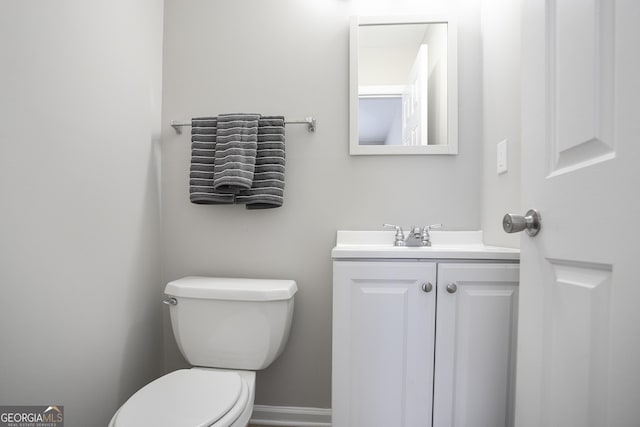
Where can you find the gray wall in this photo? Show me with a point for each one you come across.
(291, 57)
(80, 323)
(501, 116)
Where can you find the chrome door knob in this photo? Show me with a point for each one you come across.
(515, 223)
(452, 288)
(427, 287)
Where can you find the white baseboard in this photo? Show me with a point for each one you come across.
(290, 416)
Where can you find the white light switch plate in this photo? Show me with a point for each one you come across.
(502, 156)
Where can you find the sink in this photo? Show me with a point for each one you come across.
(444, 245)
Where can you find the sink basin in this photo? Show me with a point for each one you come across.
(444, 245)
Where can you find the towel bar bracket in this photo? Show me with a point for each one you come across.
(309, 121)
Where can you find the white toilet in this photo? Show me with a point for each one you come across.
(226, 329)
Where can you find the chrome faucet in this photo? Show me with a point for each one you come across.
(417, 237)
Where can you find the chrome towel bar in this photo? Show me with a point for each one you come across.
(309, 121)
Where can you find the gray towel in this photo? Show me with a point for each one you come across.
(203, 148)
(267, 190)
(235, 155)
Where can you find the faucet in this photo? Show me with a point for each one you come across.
(417, 237)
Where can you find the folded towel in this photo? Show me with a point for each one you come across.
(235, 155)
(267, 190)
(203, 148)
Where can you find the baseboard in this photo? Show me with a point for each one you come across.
(290, 416)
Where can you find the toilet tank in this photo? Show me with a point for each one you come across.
(231, 323)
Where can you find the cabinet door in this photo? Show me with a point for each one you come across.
(475, 345)
(383, 336)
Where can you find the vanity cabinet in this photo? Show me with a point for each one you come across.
(423, 343)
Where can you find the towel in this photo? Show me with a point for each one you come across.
(235, 153)
(203, 148)
(267, 189)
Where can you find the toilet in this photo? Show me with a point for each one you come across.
(226, 329)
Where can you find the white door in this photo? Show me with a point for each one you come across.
(383, 337)
(579, 326)
(475, 345)
(415, 119)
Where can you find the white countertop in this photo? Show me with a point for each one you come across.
(444, 245)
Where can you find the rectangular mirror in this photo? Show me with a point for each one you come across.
(403, 82)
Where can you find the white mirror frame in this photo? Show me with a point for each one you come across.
(452, 88)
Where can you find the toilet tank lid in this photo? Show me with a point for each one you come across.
(232, 288)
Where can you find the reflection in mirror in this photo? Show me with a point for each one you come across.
(380, 121)
(401, 81)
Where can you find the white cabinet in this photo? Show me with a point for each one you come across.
(475, 345)
(383, 343)
(404, 356)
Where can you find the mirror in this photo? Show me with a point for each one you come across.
(403, 86)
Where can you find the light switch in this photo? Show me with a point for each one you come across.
(502, 156)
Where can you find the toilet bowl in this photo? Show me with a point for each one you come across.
(226, 329)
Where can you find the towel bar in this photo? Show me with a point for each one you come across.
(309, 121)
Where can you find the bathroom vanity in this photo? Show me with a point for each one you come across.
(423, 336)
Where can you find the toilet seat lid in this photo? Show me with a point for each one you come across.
(187, 397)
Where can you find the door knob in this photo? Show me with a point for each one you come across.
(515, 223)
(452, 288)
(427, 287)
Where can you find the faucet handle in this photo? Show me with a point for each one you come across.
(397, 227)
(426, 238)
(432, 226)
(399, 239)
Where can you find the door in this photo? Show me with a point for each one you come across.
(383, 337)
(415, 101)
(579, 326)
(476, 326)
